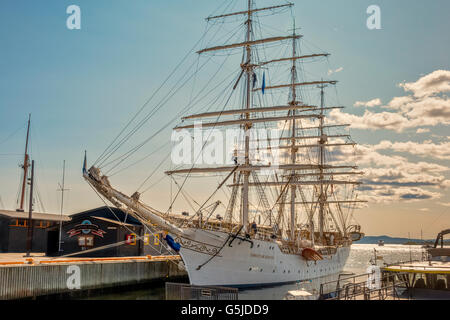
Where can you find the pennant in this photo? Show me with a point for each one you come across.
(264, 82)
(84, 164)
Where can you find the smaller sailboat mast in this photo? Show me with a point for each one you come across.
(25, 166)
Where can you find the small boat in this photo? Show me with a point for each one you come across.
(430, 277)
(354, 232)
(302, 293)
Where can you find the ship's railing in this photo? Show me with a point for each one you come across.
(352, 288)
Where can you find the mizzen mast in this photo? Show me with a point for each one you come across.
(323, 139)
(293, 146)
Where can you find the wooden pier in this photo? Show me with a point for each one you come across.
(34, 277)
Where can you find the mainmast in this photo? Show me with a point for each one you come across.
(25, 166)
(248, 68)
(293, 146)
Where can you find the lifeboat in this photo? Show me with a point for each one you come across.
(311, 254)
(356, 236)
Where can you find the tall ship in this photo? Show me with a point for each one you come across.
(288, 215)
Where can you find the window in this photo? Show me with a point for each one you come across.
(86, 241)
(19, 223)
(90, 241)
(82, 241)
(146, 239)
(131, 239)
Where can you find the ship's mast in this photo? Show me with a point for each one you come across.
(25, 166)
(322, 173)
(249, 70)
(322, 141)
(293, 145)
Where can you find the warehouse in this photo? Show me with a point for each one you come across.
(94, 229)
(14, 228)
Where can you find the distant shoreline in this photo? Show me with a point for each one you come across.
(394, 240)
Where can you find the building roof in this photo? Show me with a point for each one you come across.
(34, 216)
(112, 213)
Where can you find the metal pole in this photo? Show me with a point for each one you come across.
(25, 167)
(62, 207)
(30, 221)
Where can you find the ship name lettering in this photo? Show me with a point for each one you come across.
(261, 256)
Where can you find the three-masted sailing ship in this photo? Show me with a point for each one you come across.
(231, 249)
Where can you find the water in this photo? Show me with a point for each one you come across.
(358, 261)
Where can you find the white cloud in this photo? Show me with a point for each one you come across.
(390, 178)
(424, 108)
(390, 174)
(435, 82)
(427, 149)
(335, 71)
(371, 103)
(445, 204)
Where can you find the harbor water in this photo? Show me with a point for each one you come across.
(359, 260)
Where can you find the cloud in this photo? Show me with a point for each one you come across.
(435, 82)
(373, 120)
(385, 194)
(424, 108)
(371, 103)
(335, 71)
(390, 178)
(427, 149)
(391, 174)
(445, 204)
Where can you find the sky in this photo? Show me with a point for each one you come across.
(83, 86)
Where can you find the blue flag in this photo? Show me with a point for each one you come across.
(264, 82)
(84, 163)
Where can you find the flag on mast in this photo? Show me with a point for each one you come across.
(84, 163)
(263, 82)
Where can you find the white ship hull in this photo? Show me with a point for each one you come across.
(240, 265)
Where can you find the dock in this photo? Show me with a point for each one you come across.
(40, 276)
